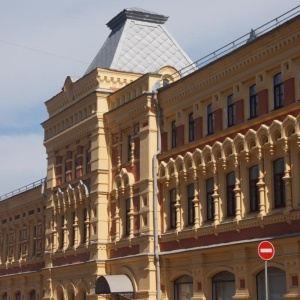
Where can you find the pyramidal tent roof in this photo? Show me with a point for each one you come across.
(139, 43)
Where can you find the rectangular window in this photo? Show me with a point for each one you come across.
(279, 186)
(129, 148)
(191, 208)
(173, 217)
(62, 232)
(87, 161)
(210, 209)
(210, 119)
(76, 158)
(253, 189)
(173, 135)
(191, 128)
(34, 241)
(230, 180)
(253, 101)
(278, 91)
(72, 237)
(127, 217)
(84, 226)
(230, 111)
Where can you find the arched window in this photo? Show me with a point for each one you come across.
(223, 285)
(230, 180)
(210, 210)
(4, 296)
(173, 216)
(253, 189)
(279, 185)
(191, 208)
(183, 288)
(32, 295)
(18, 295)
(276, 284)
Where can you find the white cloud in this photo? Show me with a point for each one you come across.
(76, 29)
(22, 161)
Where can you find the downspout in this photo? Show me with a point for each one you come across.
(155, 219)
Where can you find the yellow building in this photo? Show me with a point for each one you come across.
(164, 175)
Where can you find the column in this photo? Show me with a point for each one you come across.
(261, 184)
(237, 189)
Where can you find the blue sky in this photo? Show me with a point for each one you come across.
(75, 30)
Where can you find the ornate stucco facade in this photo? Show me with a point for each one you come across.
(172, 182)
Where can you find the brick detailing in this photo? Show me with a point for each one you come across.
(198, 128)
(180, 135)
(28, 268)
(125, 251)
(289, 91)
(263, 102)
(136, 148)
(71, 259)
(233, 236)
(164, 141)
(239, 111)
(295, 281)
(218, 120)
(114, 156)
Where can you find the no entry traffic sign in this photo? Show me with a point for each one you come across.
(266, 250)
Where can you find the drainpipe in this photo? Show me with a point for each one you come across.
(154, 170)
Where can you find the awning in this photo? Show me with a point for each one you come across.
(113, 284)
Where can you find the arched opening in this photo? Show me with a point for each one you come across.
(18, 295)
(4, 296)
(276, 284)
(223, 285)
(183, 288)
(32, 295)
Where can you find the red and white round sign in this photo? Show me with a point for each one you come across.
(266, 250)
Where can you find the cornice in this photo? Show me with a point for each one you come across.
(195, 83)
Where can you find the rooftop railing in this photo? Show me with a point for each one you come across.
(23, 189)
(250, 36)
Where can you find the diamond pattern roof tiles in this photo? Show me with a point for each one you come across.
(139, 43)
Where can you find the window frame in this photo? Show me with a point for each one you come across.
(181, 282)
(172, 208)
(254, 197)
(190, 203)
(210, 208)
(253, 102)
(210, 119)
(279, 184)
(230, 195)
(278, 91)
(127, 217)
(191, 127)
(230, 111)
(173, 134)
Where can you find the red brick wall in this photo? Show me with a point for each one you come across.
(218, 120)
(239, 111)
(180, 135)
(137, 148)
(198, 128)
(164, 141)
(263, 104)
(289, 91)
(125, 251)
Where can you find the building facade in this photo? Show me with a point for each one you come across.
(160, 185)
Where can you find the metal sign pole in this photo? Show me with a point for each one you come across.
(266, 279)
